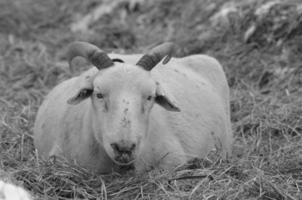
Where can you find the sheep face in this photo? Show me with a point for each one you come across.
(122, 97)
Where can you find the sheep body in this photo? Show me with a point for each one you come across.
(196, 83)
(12, 192)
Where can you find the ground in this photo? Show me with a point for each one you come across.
(258, 44)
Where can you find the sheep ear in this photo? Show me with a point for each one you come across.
(163, 100)
(84, 87)
(80, 96)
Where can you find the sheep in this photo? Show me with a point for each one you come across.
(12, 192)
(133, 110)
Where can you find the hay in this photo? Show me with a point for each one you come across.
(264, 76)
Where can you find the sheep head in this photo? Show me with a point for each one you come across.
(122, 96)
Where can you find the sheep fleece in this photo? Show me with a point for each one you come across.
(197, 84)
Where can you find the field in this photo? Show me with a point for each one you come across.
(258, 44)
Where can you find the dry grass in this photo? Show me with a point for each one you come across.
(264, 74)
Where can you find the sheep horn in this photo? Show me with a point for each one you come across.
(92, 53)
(156, 54)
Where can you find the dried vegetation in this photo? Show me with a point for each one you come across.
(258, 43)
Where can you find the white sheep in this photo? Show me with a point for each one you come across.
(12, 192)
(139, 112)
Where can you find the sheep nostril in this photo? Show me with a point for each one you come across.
(132, 147)
(115, 147)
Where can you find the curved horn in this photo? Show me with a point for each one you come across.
(156, 54)
(92, 53)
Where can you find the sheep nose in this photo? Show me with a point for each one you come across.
(123, 152)
(123, 148)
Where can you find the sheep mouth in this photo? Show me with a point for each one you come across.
(123, 160)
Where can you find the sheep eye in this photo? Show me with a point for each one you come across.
(149, 98)
(99, 95)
